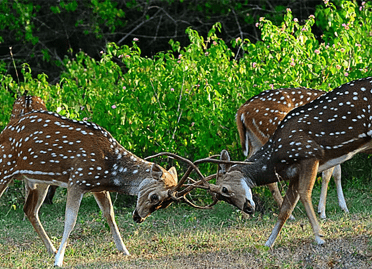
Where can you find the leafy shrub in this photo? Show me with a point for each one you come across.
(184, 100)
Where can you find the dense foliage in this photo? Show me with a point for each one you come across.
(184, 100)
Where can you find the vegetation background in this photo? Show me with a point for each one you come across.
(170, 75)
(97, 60)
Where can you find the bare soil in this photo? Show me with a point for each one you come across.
(354, 252)
(337, 253)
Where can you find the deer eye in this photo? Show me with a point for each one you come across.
(154, 198)
(225, 190)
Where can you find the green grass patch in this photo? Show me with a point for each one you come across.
(183, 234)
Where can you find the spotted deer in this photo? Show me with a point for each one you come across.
(44, 148)
(315, 137)
(257, 120)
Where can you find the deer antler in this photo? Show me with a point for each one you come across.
(176, 194)
(192, 166)
(215, 200)
(187, 201)
(202, 183)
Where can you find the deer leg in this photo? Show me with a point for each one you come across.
(74, 197)
(104, 202)
(273, 187)
(340, 193)
(3, 187)
(289, 203)
(50, 195)
(36, 194)
(326, 177)
(308, 171)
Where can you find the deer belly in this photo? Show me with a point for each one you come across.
(335, 161)
(49, 182)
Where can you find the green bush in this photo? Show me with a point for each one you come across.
(184, 100)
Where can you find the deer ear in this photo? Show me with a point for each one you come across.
(156, 171)
(173, 172)
(225, 156)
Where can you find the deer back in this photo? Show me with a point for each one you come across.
(259, 117)
(331, 129)
(46, 147)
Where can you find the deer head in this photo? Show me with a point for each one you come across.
(161, 190)
(232, 188)
(154, 192)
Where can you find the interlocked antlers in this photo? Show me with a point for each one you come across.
(178, 194)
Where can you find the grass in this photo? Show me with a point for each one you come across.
(182, 237)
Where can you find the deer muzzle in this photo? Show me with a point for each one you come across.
(248, 208)
(136, 217)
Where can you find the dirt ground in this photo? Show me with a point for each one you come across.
(338, 253)
(345, 253)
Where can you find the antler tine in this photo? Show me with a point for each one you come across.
(190, 187)
(210, 177)
(215, 200)
(203, 180)
(210, 160)
(187, 201)
(192, 166)
(184, 178)
(173, 155)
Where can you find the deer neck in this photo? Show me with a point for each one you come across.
(127, 172)
(262, 170)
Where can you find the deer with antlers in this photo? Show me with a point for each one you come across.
(44, 148)
(315, 137)
(257, 120)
